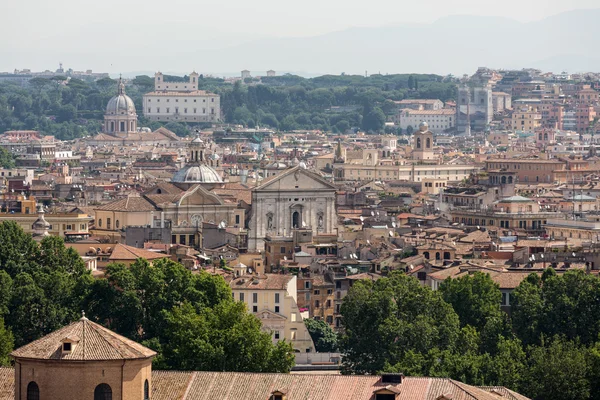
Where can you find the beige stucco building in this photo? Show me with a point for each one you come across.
(273, 299)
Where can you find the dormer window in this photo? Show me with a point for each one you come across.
(68, 344)
(278, 395)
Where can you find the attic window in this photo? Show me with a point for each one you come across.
(278, 395)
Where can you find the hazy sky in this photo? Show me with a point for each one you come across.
(37, 34)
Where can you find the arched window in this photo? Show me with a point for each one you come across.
(100, 223)
(146, 390)
(33, 391)
(428, 143)
(103, 392)
(117, 224)
(418, 143)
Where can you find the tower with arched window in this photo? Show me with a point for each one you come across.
(423, 143)
(83, 360)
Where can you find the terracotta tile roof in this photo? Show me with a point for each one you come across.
(510, 280)
(129, 203)
(250, 386)
(190, 385)
(265, 282)
(7, 384)
(94, 343)
(123, 252)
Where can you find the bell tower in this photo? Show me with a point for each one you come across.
(423, 143)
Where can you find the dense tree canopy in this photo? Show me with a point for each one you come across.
(74, 108)
(323, 336)
(45, 286)
(550, 348)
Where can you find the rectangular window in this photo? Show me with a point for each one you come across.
(182, 239)
(328, 303)
(317, 304)
(276, 298)
(277, 309)
(293, 317)
(254, 309)
(195, 110)
(293, 335)
(276, 334)
(255, 297)
(282, 250)
(241, 296)
(317, 292)
(329, 291)
(185, 110)
(157, 109)
(307, 285)
(237, 219)
(107, 223)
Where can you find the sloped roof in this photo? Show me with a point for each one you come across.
(124, 252)
(95, 342)
(129, 203)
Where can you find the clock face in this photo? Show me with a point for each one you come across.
(196, 219)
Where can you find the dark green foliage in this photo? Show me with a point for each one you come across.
(323, 336)
(45, 286)
(76, 109)
(6, 159)
(191, 318)
(550, 348)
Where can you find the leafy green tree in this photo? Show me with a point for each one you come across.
(555, 304)
(222, 338)
(557, 370)
(384, 320)
(6, 159)
(475, 298)
(373, 120)
(323, 336)
(6, 345)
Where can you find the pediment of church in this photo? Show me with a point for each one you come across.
(270, 315)
(198, 196)
(296, 178)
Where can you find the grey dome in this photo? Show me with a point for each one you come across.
(423, 126)
(121, 104)
(196, 173)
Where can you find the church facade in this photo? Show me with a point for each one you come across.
(294, 199)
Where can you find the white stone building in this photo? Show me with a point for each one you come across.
(295, 198)
(181, 101)
(439, 120)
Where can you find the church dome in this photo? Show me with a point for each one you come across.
(121, 104)
(423, 126)
(196, 173)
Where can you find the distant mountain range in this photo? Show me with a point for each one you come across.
(454, 44)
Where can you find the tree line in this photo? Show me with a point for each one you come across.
(548, 347)
(190, 319)
(74, 108)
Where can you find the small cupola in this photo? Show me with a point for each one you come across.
(69, 343)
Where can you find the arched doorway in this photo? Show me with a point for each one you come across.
(103, 392)
(296, 220)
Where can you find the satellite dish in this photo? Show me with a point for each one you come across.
(362, 218)
(250, 270)
(419, 225)
(368, 241)
(285, 258)
(573, 254)
(532, 257)
(478, 227)
(412, 266)
(372, 214)
(391, 233)
(377, 213)
(542, 256)
(393, 224)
